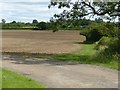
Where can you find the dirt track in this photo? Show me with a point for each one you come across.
(41, 41)
(59, 74)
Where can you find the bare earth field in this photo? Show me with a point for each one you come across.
(45, 42)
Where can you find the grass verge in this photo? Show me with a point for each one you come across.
(14, 80)
(89, 55)
(78, 57)
(0, 78)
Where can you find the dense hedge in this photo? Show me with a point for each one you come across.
(18, 25)
(96, 31)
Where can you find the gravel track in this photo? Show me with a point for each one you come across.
(60, 74)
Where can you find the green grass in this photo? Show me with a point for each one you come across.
(14, 80)
(0, 78)
(79, 57)
(89, 55)
(87, 50)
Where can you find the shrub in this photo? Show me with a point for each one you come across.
(104, 40)
(92, 33)
(42, 26)
(109, 44)
(103, 43)
(114, 46)
(96, 31)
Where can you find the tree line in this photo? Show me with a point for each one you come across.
(53, 24)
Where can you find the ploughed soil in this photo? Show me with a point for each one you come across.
(46, 42)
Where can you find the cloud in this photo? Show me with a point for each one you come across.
(21, 10)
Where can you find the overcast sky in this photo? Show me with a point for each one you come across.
(26, 10)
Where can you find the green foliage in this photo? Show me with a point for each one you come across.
(0, 78)
(103, 43)
(99, 20)
(96, 31)
(42, 26)
(34, 21)
(17, 25)
(13, 22)
(21, 25)
(69, 24)
(106, 60)
(89, 55)
(109, 44)
(3, 21)
(54, 24)
(114, 46)
(78, 57)
(83, 8)
(85, 22)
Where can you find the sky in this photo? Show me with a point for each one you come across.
(26, 10)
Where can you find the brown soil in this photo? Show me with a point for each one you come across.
(41, 41)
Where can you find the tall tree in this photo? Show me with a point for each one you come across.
(81, 8)
(13, 22)
(3, 20)
(35, 21)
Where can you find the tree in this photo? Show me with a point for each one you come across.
(98, 20)
(35, 21)
(13, 22)
(82, 8)
(3, 20)
(42, 25)
(108, 10)
(85, 22)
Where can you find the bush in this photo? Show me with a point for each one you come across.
(96, 31)
(114, 46)
(109, 44)
(17, 25)
(42, 26)
(94, 35)
(103, 43)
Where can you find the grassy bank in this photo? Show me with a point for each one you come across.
(79, 57)
(88, 55)
(13, 80)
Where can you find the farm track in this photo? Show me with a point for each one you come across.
(60, 74)
(41, 41)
